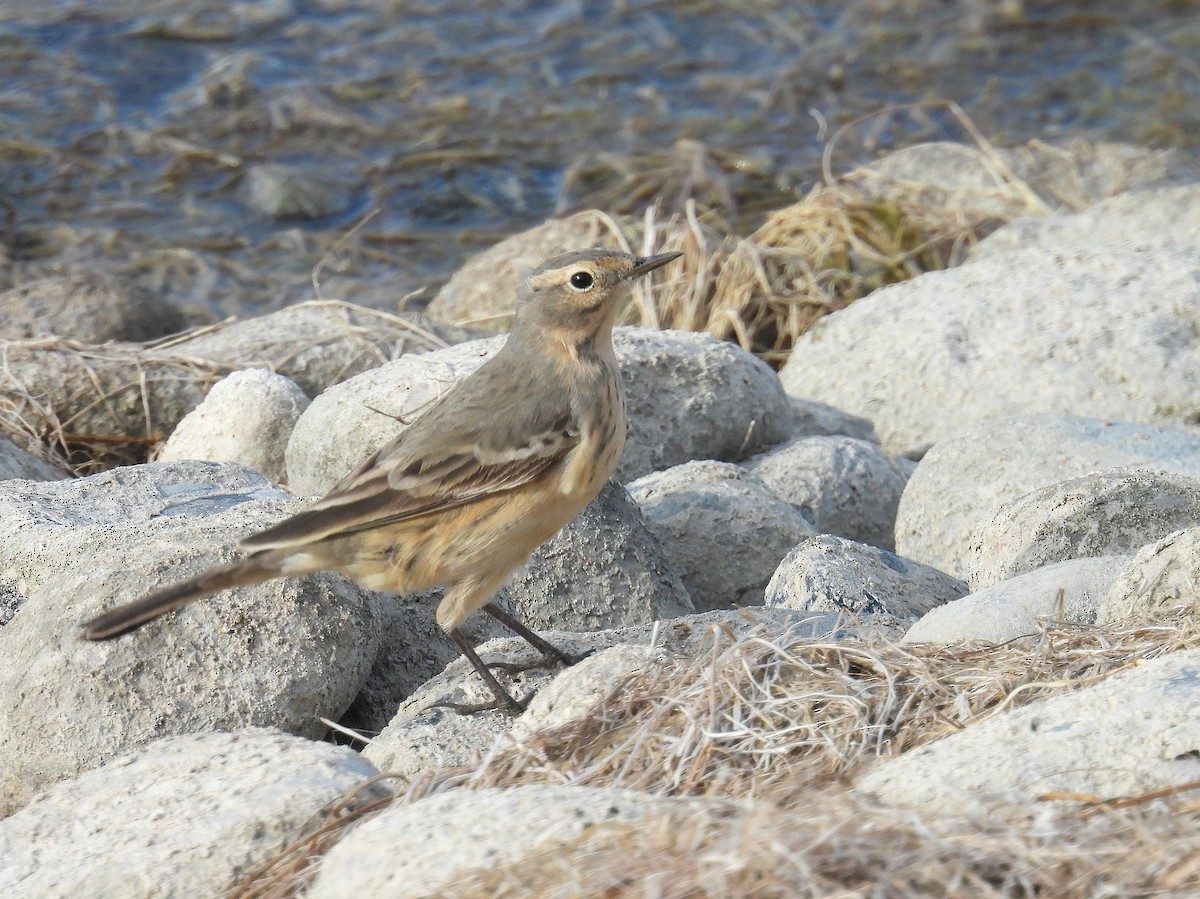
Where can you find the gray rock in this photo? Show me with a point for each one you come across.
(246, 418)
(16, 463)
(186, 816)
(1164, 575)
(413, 648)
(418, 849)
(1090, 331)
(283, 654)
(605, 569)
(724, 531)
(1071, 591)
(421, 739)
(1171, 212)
(966, 477)
(692, 396)
(315, 344)
(483, 291)
(1137, 731)
(1104, 514)
(831, 574)
(689, 396)
(813, 419)
(93, 308)
(843, 486)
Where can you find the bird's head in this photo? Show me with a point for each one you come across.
(575, 296)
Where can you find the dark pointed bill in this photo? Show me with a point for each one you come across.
(650, 263)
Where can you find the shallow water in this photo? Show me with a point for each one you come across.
(130, 132)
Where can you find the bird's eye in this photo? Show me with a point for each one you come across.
(582, 281)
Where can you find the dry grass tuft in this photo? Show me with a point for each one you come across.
(761, 709)
(840, 844)
(840, 243)
(92, 406)
(760, 734)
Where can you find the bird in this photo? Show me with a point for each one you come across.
(492, 469)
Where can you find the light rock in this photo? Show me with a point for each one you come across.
(722, 528)
(92, 308)
(1104, 514)
(1090, 331)
(1137, 731)
(16, 463)
(186, 816)
(1170, 212)
(283, 654)
(689, 396)
(418, 849)
(1164, 575)
(966, 477)
(246, 418)
(571, 695)
(831, 574)
(843, 486)
(316, 344)
(1071, 590)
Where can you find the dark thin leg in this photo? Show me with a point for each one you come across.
(551, 652)
(503, 702)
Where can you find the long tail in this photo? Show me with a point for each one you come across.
(122, 619)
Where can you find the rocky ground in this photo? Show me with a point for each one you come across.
(911, 616)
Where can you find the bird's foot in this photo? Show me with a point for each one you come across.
(507, 704)
(546, 661)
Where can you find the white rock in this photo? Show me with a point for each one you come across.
(689, 396)
(1170, 212)
(282, 654)
(186, 816)
(843, 486)
(829, 573)
(721, 527)
(1097, 331)
(572, 695)
(246, 418)
(418, 849)
(1163, 576)
(1071, 590)
(1137, 731)
(1108, 513)
(963, 480)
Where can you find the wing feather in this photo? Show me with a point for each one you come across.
(401, 483)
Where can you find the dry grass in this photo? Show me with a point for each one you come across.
(94, 406)
(762, 734)
(842, 241)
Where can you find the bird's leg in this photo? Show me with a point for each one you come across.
(551, 654)
(504, 700)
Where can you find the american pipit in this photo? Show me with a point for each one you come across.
(489, 472)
